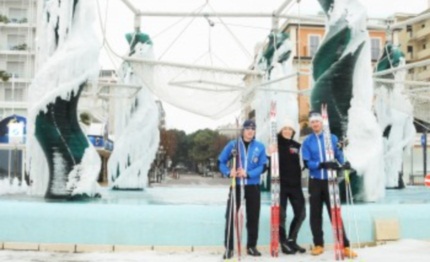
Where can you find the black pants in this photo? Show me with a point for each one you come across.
(252, 204)
(319, 194)
(297, 201)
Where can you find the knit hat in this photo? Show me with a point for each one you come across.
(249, 124)
(315, 115)
(287, 122)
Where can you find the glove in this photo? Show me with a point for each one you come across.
(346, 165)
(329, 165)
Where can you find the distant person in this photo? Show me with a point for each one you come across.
(313, 153)
(291, 186)
(252, 159)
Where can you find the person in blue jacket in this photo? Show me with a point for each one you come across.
(313, 154)
(251, 159)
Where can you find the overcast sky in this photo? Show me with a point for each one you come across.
(214, 43)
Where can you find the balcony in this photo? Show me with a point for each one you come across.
(13, 105)
(19, 49)
(6, 78)
(421, 33)
(17, 52)
(423, 54)
(17, 25)
(17, 19)
(409, 56)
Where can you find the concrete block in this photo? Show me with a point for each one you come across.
(386, 229)
(127, 248)
(56, 247)
(21, 246)
(84, 248)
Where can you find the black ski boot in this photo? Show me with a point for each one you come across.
(252, 251)
(228, 254)
(286, 248)
(293, 245)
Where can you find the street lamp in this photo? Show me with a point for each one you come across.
(161, 164)
(212, 166)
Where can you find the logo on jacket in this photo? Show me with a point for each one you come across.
(294, 150)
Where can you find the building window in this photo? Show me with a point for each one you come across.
(410, 52)
(16, 95)
(14, 41)
(409, 30)
(314, 42)
(375, 48)
(16, 69)
(17, 15)
(107, 73)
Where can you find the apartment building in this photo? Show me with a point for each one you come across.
(18, 19)
(414, 41)
(307, 37)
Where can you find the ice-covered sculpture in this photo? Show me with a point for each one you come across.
(343, 79)
(136, 124)
(275, 59)
(62, 164)
(395, 115)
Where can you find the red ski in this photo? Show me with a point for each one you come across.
(336, 218)
(274, 185)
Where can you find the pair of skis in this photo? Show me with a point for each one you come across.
(335, 204)
(274, 185)
(236, 214)
(275, 188)
(336, 217)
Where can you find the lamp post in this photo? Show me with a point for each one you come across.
(424, 144)
(161, 163)
(212, 166)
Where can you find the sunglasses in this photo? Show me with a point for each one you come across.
(250, 128)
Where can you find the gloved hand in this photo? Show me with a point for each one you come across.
(346, 165)
(329, 165)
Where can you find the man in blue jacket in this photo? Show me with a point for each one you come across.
(313, 154)
(251, 159)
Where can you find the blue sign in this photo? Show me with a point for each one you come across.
(6, 126)
(424, 139)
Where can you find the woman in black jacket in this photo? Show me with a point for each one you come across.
(291, 187)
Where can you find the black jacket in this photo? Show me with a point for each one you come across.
(289, 162)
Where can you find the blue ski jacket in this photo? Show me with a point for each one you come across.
(313, 153)
(252, 160)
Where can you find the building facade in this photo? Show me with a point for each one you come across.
(18, 20)
(414, 41)
(306, 38)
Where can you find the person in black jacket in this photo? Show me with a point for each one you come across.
(291, 187)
